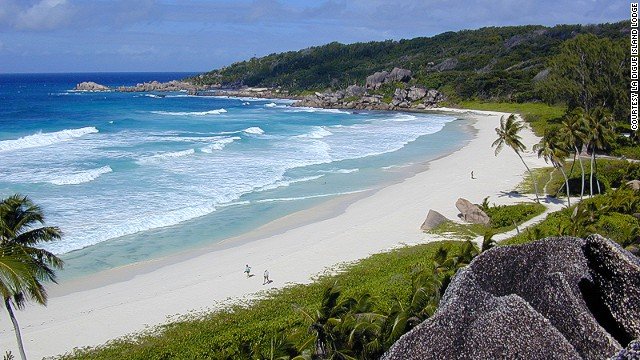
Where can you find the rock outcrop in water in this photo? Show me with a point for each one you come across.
(91, 86)
(557, 298)
(173, 85)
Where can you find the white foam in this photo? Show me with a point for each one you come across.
(254, 130)
(246, 103)
(341, 171)
(81, 176)
(287, 182)
(310, 196)
(271, 105)
(45, 139)
(403, 117)
(143, 222)
(314, 110)
(166, 156)
(191, 113)
(219, 144)
(318, 132)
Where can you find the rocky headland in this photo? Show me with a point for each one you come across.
(368, 97)
(397, 94)
(557, 298)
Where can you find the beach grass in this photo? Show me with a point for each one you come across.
(539, 115)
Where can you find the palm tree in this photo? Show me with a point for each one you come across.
(551, 149)
(508, 134)
(573, 132)
(19, 234)
(599, 132)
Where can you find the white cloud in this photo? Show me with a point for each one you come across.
(45, 15)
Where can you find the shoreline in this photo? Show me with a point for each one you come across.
(327, 234)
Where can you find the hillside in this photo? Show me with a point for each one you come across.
(496, 63)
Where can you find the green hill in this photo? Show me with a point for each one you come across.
(494, 63)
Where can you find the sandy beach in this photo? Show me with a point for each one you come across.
(94, 309)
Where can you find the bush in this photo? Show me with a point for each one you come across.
(616, 226)
(505, 216)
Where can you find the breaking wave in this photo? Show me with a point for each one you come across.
(191, 113)
(45, 139)
(81, 176)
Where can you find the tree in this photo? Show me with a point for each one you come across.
(508, 134)
(551, 150)
(599, 132)
(589, 72)
(19, 235)
(573, 133)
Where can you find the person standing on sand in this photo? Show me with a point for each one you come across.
(472, 177)
(247, 270)
(266, 277)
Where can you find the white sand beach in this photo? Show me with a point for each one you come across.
(97, 308)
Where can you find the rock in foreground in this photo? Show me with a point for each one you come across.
(557, 298)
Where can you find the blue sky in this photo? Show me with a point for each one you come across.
(190, 35)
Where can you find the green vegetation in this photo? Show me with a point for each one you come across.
(539, 115)
(609, 214)
(23, 266)
(612, 174)
(493, 63)
(508, 134)
(503, 218)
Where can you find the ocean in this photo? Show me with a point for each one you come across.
(130, 177)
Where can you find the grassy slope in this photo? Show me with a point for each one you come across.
(538, 115)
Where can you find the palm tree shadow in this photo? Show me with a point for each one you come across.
(510, 194)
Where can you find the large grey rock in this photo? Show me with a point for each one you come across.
(355, 90)
(398, 74)
(433, 219)
(91, 86)
(634, 184)
(376, 80)
(471, 213)
(557, 298)
(416, 93)
(632, 352)
(447, 64)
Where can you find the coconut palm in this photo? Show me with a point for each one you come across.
(599, 131)
(573, 133)
(19, 235)
(551, 149)
(508, 134)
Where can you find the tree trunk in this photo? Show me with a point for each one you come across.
(593, 157)
(582, 170)
(16, 328)
(596, 173)
(535, 185)
(566, 181)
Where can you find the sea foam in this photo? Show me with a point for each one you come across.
(165, 156)
(219, 144)
(81, 176)
(191, 113)
(45, 139)
(254, 130)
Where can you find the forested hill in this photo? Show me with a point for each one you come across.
(488, 63)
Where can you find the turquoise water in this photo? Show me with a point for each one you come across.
(132, 176)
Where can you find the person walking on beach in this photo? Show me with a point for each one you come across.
(266, 277)
(247, 270)
(472, 177)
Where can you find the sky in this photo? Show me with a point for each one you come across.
(201, 35)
